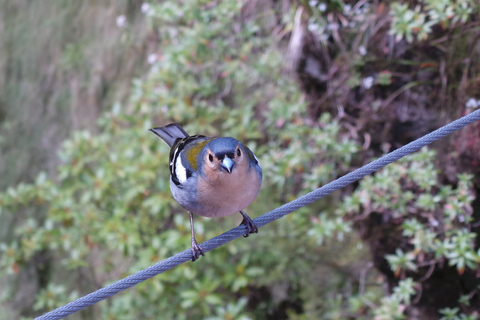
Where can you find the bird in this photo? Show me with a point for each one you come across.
(211, 176)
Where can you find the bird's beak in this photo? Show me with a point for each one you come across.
(227, 164)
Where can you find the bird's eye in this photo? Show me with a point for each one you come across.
(210, 157)
(239, 153)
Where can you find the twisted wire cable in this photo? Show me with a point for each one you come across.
(273, 215)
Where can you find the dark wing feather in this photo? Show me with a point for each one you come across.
(176, 151)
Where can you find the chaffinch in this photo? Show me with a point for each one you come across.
(211, 176)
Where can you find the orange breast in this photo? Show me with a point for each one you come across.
(225, 193)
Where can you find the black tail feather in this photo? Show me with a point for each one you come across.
(170, 133)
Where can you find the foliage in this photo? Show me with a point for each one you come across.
(438, 226)
(110, 212)
(408, 23)
(411, 24)
(398, 49)
(415, 223)
(433, 219)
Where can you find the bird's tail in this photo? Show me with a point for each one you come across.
(170, 133)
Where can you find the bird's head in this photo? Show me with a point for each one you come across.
(223, 154)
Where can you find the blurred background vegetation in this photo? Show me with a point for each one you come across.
(315, 88)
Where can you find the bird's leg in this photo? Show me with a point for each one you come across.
(250, 226)
(196, 250)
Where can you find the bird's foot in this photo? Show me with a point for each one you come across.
(249, 225)
(196, 250)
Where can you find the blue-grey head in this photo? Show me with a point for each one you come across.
(223, 153)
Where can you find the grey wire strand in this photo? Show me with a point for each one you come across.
(273, 215)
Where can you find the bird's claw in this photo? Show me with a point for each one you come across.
(196, 251)
(249, 225)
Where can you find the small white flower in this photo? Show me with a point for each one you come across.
(313, 27)
(323, 37)
(322, 7)
(152, 58)
(472, 103)
(121, 21)
(312, 3)
(333, 26)
(145, 8)
(347, 8)
(362, 50)
(368, 82)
